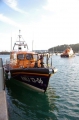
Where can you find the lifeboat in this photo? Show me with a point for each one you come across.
(28, 67)
(68, 52)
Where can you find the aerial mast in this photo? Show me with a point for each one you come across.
(19, 35)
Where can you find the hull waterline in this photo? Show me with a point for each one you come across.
(35, 78)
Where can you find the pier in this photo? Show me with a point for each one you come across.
(3, 102)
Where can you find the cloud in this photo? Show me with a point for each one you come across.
(13, 4)
(65, 20)
(8, 20)
(59, 26)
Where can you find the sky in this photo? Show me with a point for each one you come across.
(45, 23)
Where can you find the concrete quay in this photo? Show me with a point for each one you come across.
(3, 102)
(3, 106)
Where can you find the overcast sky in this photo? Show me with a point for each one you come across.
(47, 23)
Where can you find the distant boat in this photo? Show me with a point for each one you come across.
(77, 54)
(67, 52)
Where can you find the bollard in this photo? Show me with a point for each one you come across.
(1, 75)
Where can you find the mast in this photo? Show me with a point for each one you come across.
(19, 35)
(11, 43)
(20, 43)
(32, 44)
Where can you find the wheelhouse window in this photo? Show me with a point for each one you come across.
(35, 56)
(29, 56)
(13, 56)
(20, 56)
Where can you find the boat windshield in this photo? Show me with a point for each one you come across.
(20, 56)
(35, 56)
(29, 56)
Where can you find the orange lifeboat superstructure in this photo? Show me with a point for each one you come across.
(22, 59)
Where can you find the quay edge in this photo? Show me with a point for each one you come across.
(3, 102)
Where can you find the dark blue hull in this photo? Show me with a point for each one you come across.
(37, 78)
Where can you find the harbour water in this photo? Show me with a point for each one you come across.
(60, 102)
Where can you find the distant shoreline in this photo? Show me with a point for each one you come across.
(4, 53)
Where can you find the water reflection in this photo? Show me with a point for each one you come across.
(26, 104)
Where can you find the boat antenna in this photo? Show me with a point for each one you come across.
(11, 43)
(19, 35)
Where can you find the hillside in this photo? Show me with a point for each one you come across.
(61, 48)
